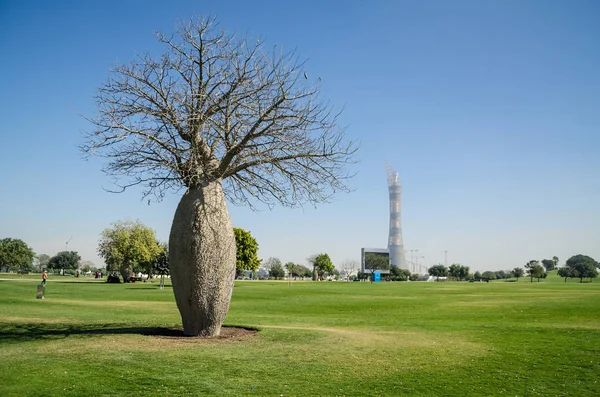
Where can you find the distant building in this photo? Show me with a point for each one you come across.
(395, 241)
(394, 253)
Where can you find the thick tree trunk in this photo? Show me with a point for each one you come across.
(125, 271)
(202, 259)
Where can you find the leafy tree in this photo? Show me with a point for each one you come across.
(584, 265)
(321, 264)
(463, 272)
(86, 266)
(488, 276)
(160, 264)
(534, 269)
(454, 271)
(127, 245)
(477, 276)
(438, 271)
(43, 260)
(297, 270)
(555, 260)
(518, 272)
(568, 272)
(65, 260)
(15, 253)
(246, 251)
(222, 118)
(274, 267)
(348, 267)
(549, 264)
(376, 262)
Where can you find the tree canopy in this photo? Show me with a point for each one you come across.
(375, 261)
(584, 266)
(274, 267)
(534, 269)
(246, 251)
(518, 272)
(127, 244)
(438, 271)
(64, 260)
(15, 253)
(549, 264)
(488, 276)
(322, 264)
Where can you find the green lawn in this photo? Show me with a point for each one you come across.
(88, 338)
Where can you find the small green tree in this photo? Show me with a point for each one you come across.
(488, 276)
(438, 271)
(584, 265)
(160, 264)
(477, 276)
(568, 272)
(518, 272)
(15, 253)
(65, 260)
(246, 251)
(126, 245)
(321, 264)
(534, 269)
(454, 271)
(42, 261)
(376, 262)
(548, 264)
(274, 267)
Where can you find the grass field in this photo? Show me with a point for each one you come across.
(88, 338)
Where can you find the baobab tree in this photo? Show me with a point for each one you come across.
(223, 119)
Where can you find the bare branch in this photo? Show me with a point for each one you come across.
(214, 107)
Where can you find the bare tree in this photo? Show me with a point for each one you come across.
(223, 119)
(349, 266)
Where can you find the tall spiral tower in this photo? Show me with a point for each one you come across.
(395, 242)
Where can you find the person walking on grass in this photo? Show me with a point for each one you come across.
(44, 277)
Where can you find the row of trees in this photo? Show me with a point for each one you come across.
(15, 254)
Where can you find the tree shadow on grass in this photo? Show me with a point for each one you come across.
(26, 332)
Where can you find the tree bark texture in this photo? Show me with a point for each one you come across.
(202, 259)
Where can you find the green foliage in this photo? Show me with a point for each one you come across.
(126, 245)
(488, 276)
(15, 253)
(438, 271)
(65, 260)
(42, 261)
(568, 272)
(477, 276)
(375, 261)
(534, 270)
(274, 267)
(297, 270)
(160, 263)
(246, 251)
(458, 272)
(322, 264)
(518, 272)
(584, 266)
(549, 264)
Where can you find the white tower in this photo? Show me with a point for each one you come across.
(395, 243)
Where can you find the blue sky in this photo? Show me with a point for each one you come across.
(489, 111)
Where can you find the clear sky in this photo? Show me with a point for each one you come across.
(489, 111)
